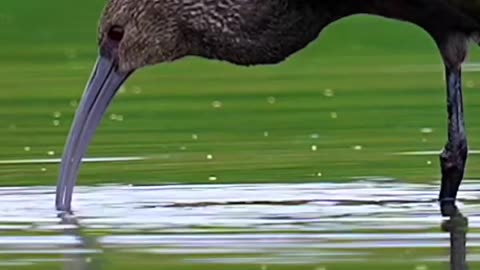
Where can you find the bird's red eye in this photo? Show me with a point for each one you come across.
(116, 33)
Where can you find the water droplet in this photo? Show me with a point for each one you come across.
(27, 148)
(56, 123)
(315, 136)
(43, 169)
(57, 114)
(357, 147)
(217, 104)
(195, 137)
(421, 267)
(470, 84)
(314, 148)
(426, 130)
(137, 90)
(271, 100)
(328, 92)
(51, 153)
(212, 178)
(73, 103)
(424, 140)
(319, 174)
(333, 115)
(264, 267)
(429, 162)
(209, 156)
(183, 148)
(321, 268)
(266, 134)
(88, 260)
(116, 117)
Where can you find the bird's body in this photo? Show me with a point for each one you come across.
(137, 33)
(469, 7)
(255, 32)
(272, 30)
(252, 32)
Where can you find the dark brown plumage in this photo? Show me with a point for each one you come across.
(137, 33)
(250, 32)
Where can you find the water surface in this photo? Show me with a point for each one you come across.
(374, 223)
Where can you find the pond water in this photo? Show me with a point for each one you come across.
(373, 223)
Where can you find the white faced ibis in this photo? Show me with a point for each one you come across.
(137, 33)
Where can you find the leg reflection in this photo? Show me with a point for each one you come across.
(457, 226)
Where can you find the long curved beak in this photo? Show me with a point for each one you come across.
(101, 88)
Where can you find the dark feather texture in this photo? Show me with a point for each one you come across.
(249, 32)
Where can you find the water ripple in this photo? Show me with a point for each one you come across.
(234, 224)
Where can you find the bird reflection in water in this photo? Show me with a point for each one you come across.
(86, 256)
(457, 226)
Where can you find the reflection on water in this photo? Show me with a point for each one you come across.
(377, 222)
(457, 226)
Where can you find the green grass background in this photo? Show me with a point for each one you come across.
(386, 76)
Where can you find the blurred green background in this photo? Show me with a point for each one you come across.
(369, 87)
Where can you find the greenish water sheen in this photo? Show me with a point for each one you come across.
(377, 89)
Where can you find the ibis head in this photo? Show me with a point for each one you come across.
(131, 34)
(136, 33)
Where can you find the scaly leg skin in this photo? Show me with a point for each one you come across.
(454, 156)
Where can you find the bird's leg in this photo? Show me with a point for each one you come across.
(454, 156)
